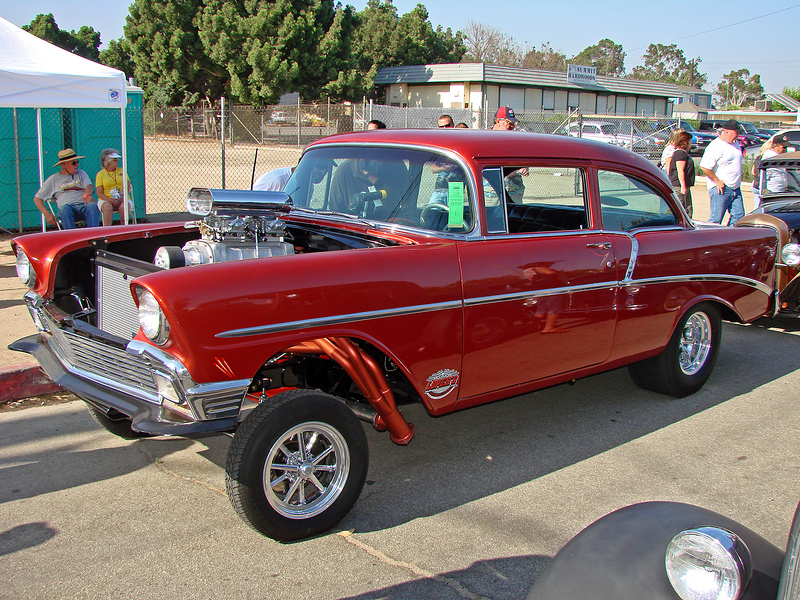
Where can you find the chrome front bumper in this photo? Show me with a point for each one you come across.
(148, 385)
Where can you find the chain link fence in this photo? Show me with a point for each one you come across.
(183, 148)
(87, 130)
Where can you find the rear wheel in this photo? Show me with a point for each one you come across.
(297, 465)
(686, 363)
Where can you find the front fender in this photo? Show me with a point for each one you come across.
(621, 556)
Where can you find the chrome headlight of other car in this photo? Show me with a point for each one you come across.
(24, 270)
(708, 563)
(790, 255)
(151, 317)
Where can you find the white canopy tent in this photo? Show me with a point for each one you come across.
(36, 74)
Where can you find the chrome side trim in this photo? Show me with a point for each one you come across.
(603, 285)
(632, 263)
(409, 310)
(340, 319)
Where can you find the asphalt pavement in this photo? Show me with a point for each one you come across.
(474, 507)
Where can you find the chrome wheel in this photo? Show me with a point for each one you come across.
(306, 470)
(695, 343)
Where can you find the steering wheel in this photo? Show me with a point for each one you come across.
(434, 217)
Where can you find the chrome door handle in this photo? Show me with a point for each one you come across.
(601, 245)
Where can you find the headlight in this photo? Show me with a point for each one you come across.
(708, 563)
(24, 269)
(790, 255)
(154, 323)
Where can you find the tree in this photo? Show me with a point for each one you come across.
(118, 56)
(546, 58)
(488, 44)
(739, 88)
(85, 43)
(382, 39)
(606, 56)
(172, 65)
(669, 65)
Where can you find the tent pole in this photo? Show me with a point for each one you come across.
(41, 157)
(126, 211)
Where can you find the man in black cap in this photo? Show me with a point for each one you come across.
(722, 166)
(72, 190)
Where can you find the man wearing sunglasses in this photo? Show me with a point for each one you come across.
(72, 190)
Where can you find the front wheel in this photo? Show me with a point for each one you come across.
(296, 465)
(686, 363)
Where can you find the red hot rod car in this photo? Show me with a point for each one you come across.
(450, 268)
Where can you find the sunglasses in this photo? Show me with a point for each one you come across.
(448, 125)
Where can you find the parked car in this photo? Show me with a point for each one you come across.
(781, 210)
(745, 140)
(768, 132)
(600, 131)
(700, 139)
(280, 117)
(398, 266)
(753, 133)
(671, 550)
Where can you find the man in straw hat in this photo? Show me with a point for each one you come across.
(72, 190)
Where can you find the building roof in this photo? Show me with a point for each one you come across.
(496, 74)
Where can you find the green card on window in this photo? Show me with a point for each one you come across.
(455, 204)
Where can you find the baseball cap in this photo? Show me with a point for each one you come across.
(780, 138)
(507, 113)
(731, 124)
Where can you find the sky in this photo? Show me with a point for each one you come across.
(759, 36)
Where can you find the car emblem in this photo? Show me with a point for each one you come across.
(441, 383)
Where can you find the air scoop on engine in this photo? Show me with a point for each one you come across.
(236, 225)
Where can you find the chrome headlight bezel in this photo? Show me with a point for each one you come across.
(152, 320)
(790, 255)
(25, 270)
(708, 563)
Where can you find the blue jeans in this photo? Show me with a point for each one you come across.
(69, 213)
(730, 200)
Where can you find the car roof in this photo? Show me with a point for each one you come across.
(490, 144)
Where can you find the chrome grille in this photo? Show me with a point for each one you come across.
(101, 359)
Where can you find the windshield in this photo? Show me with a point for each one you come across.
(749, 128)
(609, 129)
(391, 185)
(779, 181)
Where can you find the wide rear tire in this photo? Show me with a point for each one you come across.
(686, 363)
(297, 465)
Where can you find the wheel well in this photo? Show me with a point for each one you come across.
(292, 369)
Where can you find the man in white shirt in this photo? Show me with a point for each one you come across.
(273, 181)
(722, 166)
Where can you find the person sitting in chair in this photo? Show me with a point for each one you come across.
(108, 183)
(72, 190)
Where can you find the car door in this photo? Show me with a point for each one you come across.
(539, 290)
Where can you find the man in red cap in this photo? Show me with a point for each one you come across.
(505, 119)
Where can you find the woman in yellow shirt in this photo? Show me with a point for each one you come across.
(108, 184)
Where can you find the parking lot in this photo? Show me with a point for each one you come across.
(474, 507)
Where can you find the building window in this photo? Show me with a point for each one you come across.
(548, 99)
(574, 100)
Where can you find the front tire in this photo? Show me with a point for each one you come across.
(297, 465)
(686, 363)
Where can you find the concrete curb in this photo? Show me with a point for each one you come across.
(24, 380)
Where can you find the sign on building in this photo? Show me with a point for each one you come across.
(581, 75)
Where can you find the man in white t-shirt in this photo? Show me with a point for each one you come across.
(273, 181)
(722, 166)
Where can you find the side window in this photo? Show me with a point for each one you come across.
(535, 199)
(628, 203)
